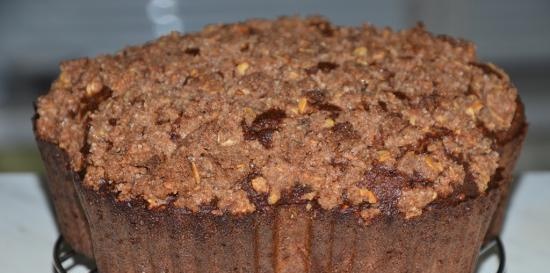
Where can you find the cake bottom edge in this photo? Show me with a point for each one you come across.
(287, 238)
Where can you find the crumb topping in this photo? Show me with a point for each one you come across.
(242, 116)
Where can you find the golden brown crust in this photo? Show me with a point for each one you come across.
(299, 102)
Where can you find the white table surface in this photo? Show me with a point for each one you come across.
(28, 230)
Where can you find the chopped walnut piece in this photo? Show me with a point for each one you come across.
(242, 68)
(93, 87)
(195, 171)
(292, 75)
(370, 197)
(412, 120)
(153, 202)
(273, 197)
(369, 214)
(238, 205)
(414, 200)
(242, 91)
(309, 196)
(424, 164)
(248, 114)
(433, 164)
(217, 212)
(379, 55)
(383, 155)
(360, 195)
(259, 184)
(474, 109)
(64, 78)
(302, 104)
(360, 51)
(329, 123)
(228, 142)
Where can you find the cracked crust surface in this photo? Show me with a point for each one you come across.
(240, 117)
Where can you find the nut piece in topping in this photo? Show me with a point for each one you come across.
(329, 123)
(367, 195)
(248, 114)
(259, 184)
(379, 55)
(302, 104)
(229, 142)
(369, 214)
(474, 109)
(273, 197)
(433, 164)
(360, 51)
(293, 75)
(383, 155)
(65, 78)
(239, 205)
(195, 170)
(412, 201)
(242, 68)
(309, 196)
(153, 202)
(360, 195)
(93, 87)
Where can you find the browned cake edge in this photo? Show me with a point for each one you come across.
(70, 216)
(510, 149)
(129, 238)
(146, 239)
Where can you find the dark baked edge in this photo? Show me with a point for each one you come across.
(510, 150)
(60, 182)
(288, 238)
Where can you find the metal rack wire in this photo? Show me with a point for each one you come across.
(495, 247)
(63, 252)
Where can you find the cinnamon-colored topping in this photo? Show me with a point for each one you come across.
(276, 111)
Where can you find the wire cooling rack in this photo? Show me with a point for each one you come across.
(494, 247)
(65, 259)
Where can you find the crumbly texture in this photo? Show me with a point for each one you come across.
(240, 117)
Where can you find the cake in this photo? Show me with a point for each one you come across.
(286, 145)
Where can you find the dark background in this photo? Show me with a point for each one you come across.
(36, 35)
